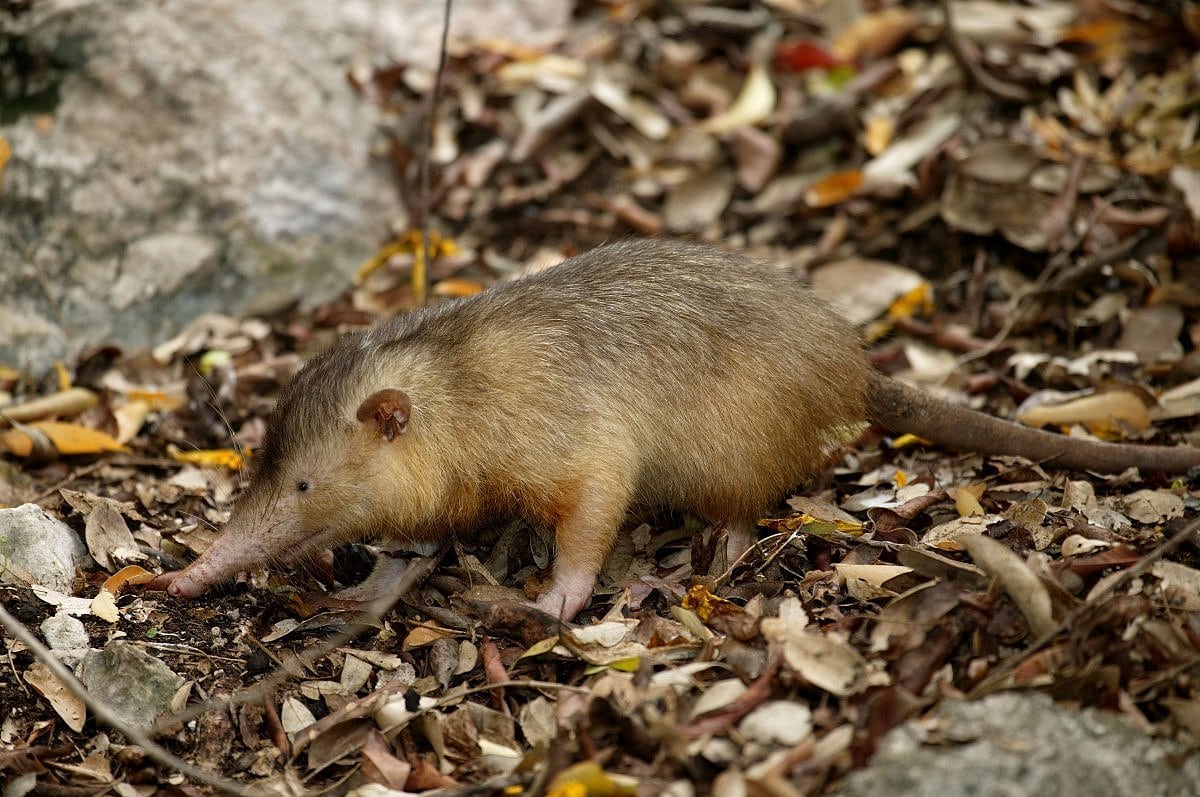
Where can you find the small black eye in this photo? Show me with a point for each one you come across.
(303, 486)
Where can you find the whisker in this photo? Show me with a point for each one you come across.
(215, 404)
(199, 519)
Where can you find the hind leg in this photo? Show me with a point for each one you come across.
(584, 536)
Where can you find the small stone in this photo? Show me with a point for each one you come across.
(64, 632)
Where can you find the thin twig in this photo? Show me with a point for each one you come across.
(73, 476)
(1051, 278)
(1093, 603)
(421, 266)
(1002, 89)
(105, 714)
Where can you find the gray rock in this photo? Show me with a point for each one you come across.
(171, 158)
(1020, 744)
(136, 685)
(37, 549)
(64, 632)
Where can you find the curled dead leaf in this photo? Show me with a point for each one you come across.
(1023, 586)
(754, 103)
(128, 575)
(64, 439)
(1105, 413)
(966, 500)
(705, 604)
(64, 403)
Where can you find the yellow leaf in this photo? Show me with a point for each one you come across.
(408, 243)
(63, 376)
(538, 648)
(626, 665)
(16, 443)
(588, 779)
(211, 457)
(844, 526)
(879, 134)
(67, 438)
(622, 665)
(71, 438)
(910, 440)
(966, 502)
(919, 299)
(157, 399)
(211, 360)
(705, 604)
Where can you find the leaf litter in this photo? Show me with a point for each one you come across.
(1036, 261)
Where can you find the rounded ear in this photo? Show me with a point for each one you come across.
(388, 409)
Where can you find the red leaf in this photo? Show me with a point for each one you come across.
(798, 56)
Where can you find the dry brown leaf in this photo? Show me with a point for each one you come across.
(874, 35)
(1018, 580)
(65, 403)
(867, 582)
(380, 766)
(70, 708)
(426, 634)
(130, 416)
(862, 289)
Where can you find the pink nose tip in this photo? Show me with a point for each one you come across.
(182, 587)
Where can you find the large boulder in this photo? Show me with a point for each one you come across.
(170, 158)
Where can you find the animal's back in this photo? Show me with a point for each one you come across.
(701, 379)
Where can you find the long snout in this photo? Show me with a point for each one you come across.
(227, 557)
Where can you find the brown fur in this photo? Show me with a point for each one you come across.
(649, 373)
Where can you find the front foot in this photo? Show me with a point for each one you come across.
(176, 583)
